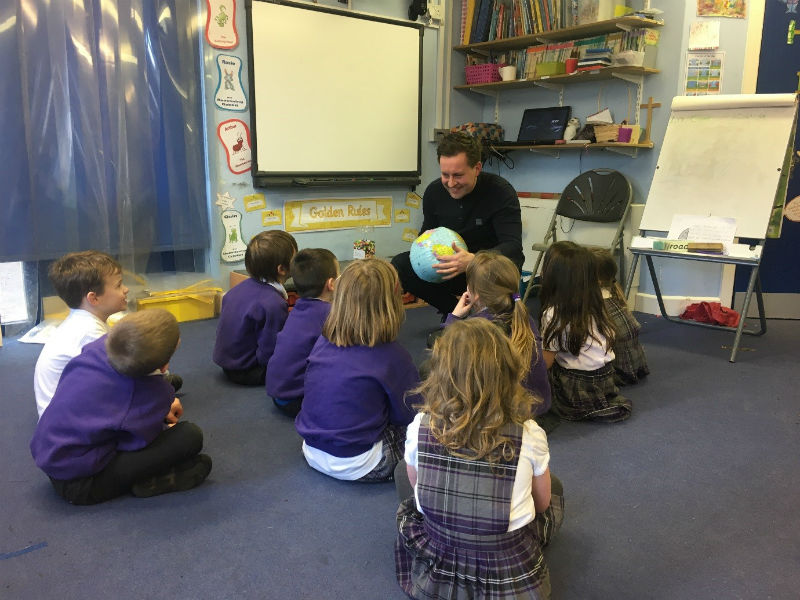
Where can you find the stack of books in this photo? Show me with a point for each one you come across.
(595, 58)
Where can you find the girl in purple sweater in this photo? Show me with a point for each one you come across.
(493, 293)
(354, 412)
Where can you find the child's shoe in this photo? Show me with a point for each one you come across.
(179, 478)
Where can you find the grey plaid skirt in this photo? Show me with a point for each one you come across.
(630, 363)
(592, 395)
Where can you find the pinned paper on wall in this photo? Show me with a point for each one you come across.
(225, 201)
(736, 9)
(13, 305)
(254, 202)
(413, 200)
(235, 138)
(272, 217)
(234, 248)
(704, 35)
(409, 235)
(703, 73)
(221, 24)
(230, 93)
(402, 215)
(337, 213)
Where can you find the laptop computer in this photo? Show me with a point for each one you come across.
(541, 126)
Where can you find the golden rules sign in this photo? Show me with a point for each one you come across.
(337, 213)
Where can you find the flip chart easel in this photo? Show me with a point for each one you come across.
(722, 156)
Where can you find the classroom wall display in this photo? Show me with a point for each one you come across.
(337, 213)
(234, 247)
(253, 202)
(230, 93)
(736, 9)
(221, 24)
(722, 156)
(272, 217)
(235, 138)
(335, 96)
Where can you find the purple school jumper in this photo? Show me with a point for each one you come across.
(252, 315)
(97, 412)
(286, 370)
(537, 381)
(352, 393)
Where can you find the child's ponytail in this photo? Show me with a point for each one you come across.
(522, 337)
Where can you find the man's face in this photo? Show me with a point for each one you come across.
(457, 176)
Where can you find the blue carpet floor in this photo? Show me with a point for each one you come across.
(694, 497)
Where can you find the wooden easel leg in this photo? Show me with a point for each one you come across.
(750, 285)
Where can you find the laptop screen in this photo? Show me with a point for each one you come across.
(543, 125)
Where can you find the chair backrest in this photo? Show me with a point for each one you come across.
(599, 195)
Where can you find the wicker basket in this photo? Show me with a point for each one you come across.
(606, 132)
(485, 73)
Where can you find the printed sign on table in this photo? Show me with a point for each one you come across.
(235, 137)
(230, 93)
(221, 24)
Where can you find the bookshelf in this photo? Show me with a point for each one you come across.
(631, 74)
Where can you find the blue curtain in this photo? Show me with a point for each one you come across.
(102, 118)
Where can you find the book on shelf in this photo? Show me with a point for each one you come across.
(474, 36)
(533, 56)
(468, 18)
(463, 19)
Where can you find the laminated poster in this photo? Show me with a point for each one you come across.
(413, 200)
(272, 217)
(235, 137)
(221, 24)
(409, 235)
(230, 93)
(703, 73)
(337, 213)
(234, 248)
(736, 9)
(254, 202)
(402, 215)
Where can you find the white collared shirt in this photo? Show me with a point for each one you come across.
(78, 329)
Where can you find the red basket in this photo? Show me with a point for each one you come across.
(486, 73)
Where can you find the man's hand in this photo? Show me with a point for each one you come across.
(451, 265)
(175, 413)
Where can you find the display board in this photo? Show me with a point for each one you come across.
(722, 156)
(336, 96)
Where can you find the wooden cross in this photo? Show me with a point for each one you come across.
(649, 106)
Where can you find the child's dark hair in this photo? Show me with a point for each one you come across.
(571, 288)
(142, 342)
(266, 252)
(76, 274)
(495, 280)
(453, 144)
(607, 273)
(311, 268)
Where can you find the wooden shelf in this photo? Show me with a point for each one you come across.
(559, 35)
(577, 77)
(557, 147)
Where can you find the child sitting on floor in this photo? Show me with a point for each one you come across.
(90, 283)
(578, 336)
(254, 311)
(630, 362)
(479, 503)
(354, 413)
(493, 293)
(314, 271)
(112, 427)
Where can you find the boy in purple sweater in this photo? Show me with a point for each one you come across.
(254, 311)
(314, 271)
(112, 426)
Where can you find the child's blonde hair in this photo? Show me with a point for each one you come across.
(607, 273)
(495, 280)
(142, 342)
(367, 308)
(473, 390)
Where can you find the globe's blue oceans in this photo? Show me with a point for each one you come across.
(427, 246)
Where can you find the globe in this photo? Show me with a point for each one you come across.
(427, 246)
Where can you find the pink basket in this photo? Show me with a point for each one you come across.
(487, 73)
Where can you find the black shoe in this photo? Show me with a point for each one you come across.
(176, 381)
(179, 478)
(433, 336)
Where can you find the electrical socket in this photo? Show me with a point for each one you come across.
(438, 134)
(435, 11)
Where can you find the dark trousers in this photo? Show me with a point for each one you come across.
(252, 376)
(442, 296)
(172, 446)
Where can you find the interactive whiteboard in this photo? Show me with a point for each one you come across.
(335, 95)
(722, 156)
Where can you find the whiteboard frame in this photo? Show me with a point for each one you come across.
(732, 173)
(337, 160)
